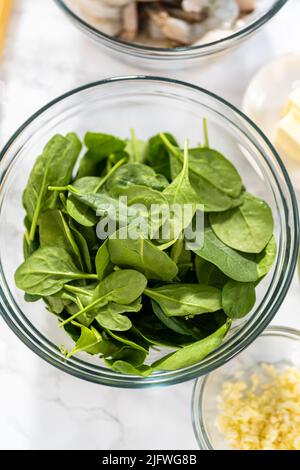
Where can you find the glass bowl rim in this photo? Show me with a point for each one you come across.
(95, 374)
(199, 387)
(227, 41)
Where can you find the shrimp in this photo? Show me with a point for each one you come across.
(99, 10)
(221, 15)
(169, 23)
(246, 6)
(172, 28)
(130, 22)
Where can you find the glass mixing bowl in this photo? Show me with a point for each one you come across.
(169, 57)
(277, 346)
(149, 105)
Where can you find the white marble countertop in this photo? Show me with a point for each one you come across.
(41, 407)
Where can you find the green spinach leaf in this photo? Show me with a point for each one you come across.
(128, 369)
(193, 353)
(158, 157)
(246, 228)
(135, 148)
(180, 326)
(47, 270)
(266, 258)
(80, 212)
(238, 298)
(185, 299)
(102, 145)
(55, 232)
(89, 341)
(53, 167)
(209, 274)
(102, 261)
(234, 264)
(143, 256)
(121, 287)
(135, 174)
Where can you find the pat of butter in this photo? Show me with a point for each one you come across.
(287, 136)
(293, 101)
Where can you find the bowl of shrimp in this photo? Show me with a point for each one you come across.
(177, 30)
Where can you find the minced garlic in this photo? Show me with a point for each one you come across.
(264, 415)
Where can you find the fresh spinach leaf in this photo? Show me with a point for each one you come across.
(209, 274)
(47, 270)
(88, 166)
(135, 148)
(181, 327)
(103, 205)
(89, 341)
(238, 298)
(138, 194)
(246, 228)
(80, 212)
(53, 167)
(266, 258)
(82, 245)
(109, 316)
(213, 178)
(113, 321)
(102, 261)
(55, 232)
(135, 174)
(126, 368)
(193, 353)
(121, 287)
(234, 264)
(143, 256)
(102, 145)
(180, 190)
(158, 156)
(186, 299)
(130, 339)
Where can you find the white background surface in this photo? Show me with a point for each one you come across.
(41, 407)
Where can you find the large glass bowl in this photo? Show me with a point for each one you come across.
(277, 346)
(168, 57)
(149, 105)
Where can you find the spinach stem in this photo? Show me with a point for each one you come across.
(73, 244)
(111, 171)
(74, 289)
(79, 303)
(185, 156)
(84, 310)
(135, 149)
(37, 208)
(84, 276)
(205, 132)
(166, 245)
(69, 187)
(174, 150)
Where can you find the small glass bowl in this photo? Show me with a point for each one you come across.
(159, 58)
(149, 105)
(278, 346)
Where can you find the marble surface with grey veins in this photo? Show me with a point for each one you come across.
(41, 407)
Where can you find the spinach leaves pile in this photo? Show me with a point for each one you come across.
(118, 298)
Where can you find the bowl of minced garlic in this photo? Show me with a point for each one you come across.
(253, 402)
(263, 414)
